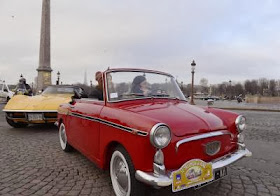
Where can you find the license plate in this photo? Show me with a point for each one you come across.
(193, 173)
(34, 117)
(218, 174)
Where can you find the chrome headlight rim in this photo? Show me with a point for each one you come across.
(153, 132)
(238, 121)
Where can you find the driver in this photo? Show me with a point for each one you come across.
(140, 86)
(23, 87)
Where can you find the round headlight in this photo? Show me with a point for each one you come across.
(240, 123)
(160, 135)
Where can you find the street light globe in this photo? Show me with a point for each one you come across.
(193, 65)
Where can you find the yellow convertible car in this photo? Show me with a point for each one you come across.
(22, 110)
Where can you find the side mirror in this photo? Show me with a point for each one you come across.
(5, 90)
(75, 96)
(72, 102)
(84, 95)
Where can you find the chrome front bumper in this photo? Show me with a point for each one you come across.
(165, 180)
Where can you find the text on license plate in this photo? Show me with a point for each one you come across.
(220, 173)
(33, 117)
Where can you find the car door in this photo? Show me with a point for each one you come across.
(84, 123)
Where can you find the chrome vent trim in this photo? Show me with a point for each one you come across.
(201, 136)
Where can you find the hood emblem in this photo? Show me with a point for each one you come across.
(212, 148)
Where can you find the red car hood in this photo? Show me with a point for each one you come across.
(182, 118)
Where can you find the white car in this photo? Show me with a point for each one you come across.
(5, 93)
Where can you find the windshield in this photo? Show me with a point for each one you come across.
(125, 85)
(58, 90)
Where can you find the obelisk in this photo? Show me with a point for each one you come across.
(44, 69)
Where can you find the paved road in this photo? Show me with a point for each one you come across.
(243, 105)
(31, 162)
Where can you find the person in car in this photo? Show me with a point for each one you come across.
(140, 86)
(97, 91)
(23, 88)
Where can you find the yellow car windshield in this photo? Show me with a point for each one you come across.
(58, 90)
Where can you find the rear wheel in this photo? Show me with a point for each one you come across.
(122, 174)
(16, 124)
(63, 139)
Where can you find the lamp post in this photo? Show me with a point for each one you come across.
(193, 68)
(91, 84)
(230, 89)
(58, 77)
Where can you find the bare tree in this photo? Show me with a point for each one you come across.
(272, 88)
(251, 87)
(238, 89)
(204, 85)
(263, 85)
(222, 89)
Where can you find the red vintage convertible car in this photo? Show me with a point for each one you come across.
(146, 133)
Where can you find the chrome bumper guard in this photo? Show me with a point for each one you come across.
(165, 180)
(56, 123)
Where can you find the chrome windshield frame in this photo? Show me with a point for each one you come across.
(138, 98)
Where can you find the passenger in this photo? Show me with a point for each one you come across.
(140, 86)
(110, 85)
(97, 92)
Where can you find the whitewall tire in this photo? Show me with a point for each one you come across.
(122, 174)
(63, 139)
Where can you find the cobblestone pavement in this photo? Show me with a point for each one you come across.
(31, 163)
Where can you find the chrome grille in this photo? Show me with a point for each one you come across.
(212, 148)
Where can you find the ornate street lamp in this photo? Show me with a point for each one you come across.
(58, 77)
(193, 68)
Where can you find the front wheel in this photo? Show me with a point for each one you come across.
(122, 174)
(16, 124)
(63, 139)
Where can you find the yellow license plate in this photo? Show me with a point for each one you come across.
(192, 173)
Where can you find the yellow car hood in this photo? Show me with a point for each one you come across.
(38, 102)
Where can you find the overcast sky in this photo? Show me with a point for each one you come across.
(229, 39)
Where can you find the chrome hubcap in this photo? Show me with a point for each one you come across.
(62, 136)
(120, 174)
